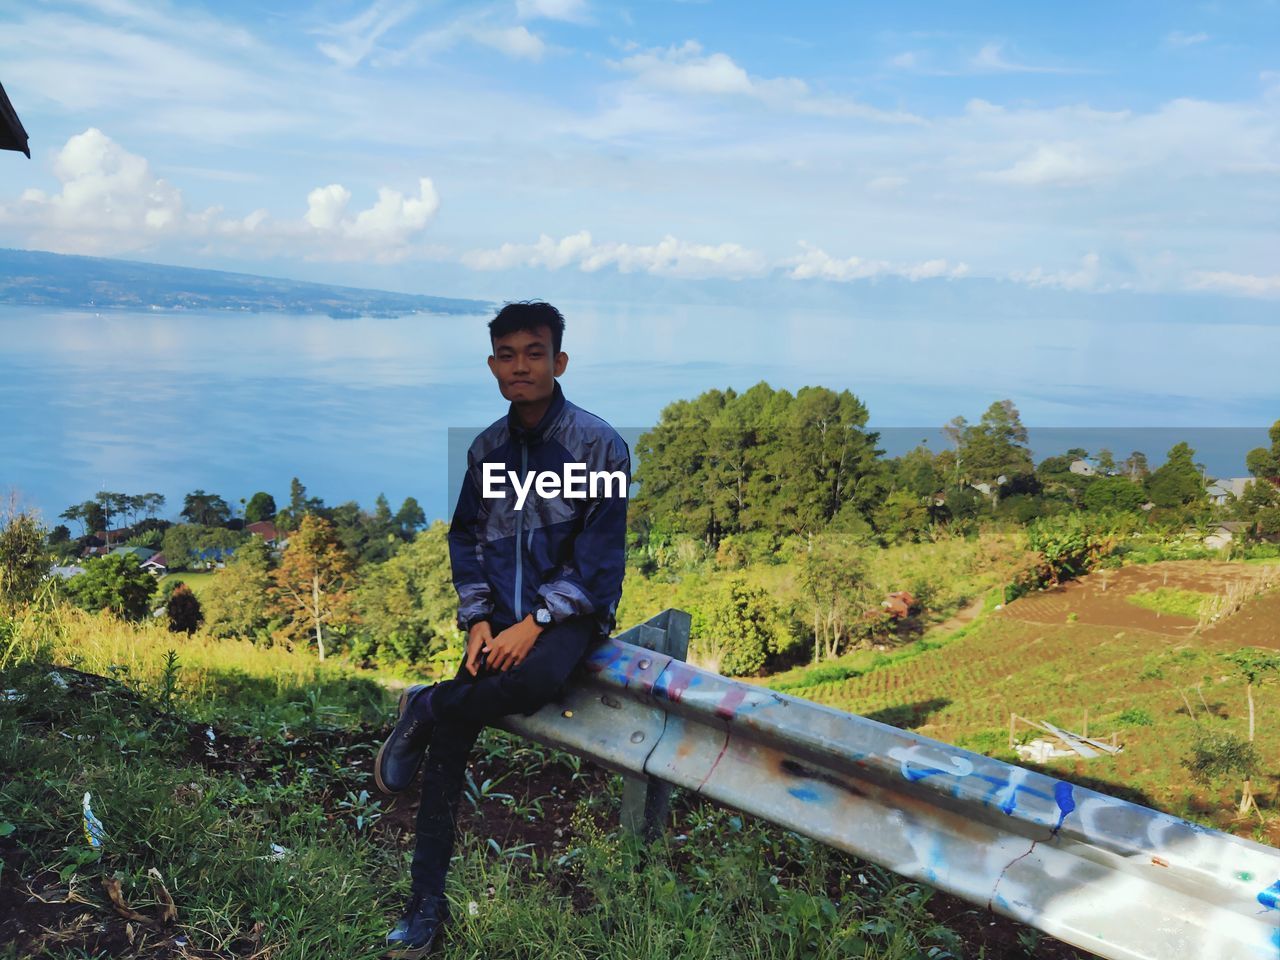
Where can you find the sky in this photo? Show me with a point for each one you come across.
(1120, 158)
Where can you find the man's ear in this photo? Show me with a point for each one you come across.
(493, 366)
(562, 361)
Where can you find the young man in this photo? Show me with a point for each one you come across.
(538, 569)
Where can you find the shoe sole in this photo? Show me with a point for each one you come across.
(416, 953)
(377, 761)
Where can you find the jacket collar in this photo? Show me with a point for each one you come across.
(523, 434)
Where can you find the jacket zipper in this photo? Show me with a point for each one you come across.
(524, 470)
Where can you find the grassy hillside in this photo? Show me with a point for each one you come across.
(1151, 677)
(235, 783)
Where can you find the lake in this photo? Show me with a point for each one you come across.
(238, 402)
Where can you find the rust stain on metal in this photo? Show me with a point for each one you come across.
(793, 768)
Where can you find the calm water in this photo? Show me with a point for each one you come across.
(234, 403)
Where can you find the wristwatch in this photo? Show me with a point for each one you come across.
(542, 617)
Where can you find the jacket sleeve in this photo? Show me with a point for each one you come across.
(591, 581)
(466, 553)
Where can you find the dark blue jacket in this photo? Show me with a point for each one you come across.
(563, 553)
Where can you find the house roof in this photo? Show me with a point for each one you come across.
(1232, 485)
(214, 553)
(265, 529)
(142, 553)
(157, 561)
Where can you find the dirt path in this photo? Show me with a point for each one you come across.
(962, 618)
(1101, 599)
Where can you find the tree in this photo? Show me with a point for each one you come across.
(1256, 666)
(917, 471)
(1113, 493)
(312, 586)
(744, 622)
(205, 509)
(410, 518)
(24, 561)
(183, 542)
(1106, 462)
(299, 505)
(184, 611)
(1135, 466)
(994, 451)
(831, 579)
(901, 518)
(261, 506)
(408, 605)
(1264, 462)
(112, 505)
(1178, 481)
(114, 582)
(236, 599)
(89, 514)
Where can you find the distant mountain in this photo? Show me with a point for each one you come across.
(32, 278)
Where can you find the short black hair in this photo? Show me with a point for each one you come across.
(528, 315)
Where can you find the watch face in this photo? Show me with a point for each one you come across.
(542, 615)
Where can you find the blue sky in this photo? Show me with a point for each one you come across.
(870, 152)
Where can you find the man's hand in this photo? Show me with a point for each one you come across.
(478, 638)
(513, 644)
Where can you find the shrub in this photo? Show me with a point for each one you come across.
(184, 611)
(1135, 717)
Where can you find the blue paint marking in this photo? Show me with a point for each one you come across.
(1066, 798)
(914, 774)
(1011, 803)
(804, 793)
(1270, 897)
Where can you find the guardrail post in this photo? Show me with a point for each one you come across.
(647, 800)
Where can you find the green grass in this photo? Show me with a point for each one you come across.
(1174, 601)
(197, 580)
(1154, 691)
(726, 886)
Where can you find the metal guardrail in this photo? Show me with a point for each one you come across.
(1118, 879)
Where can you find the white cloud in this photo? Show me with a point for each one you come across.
(817, 264)
(571, 10)
(1083, 278)
(668, 257)
(991, 59)
(326, 205)
(1058, 164)
(1247, 284)
(110, 199)
(886, 184)
(111, 202)
(513, 41)
(387, 225)
(687, 69)
(905, 60)
(1179, 39)
(358, 37)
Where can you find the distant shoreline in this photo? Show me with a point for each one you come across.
(31, 278)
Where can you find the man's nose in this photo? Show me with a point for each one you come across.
(521, 364)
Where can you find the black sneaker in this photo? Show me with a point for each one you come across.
(420, 929)
(399, 758)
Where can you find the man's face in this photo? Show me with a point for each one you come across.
(526, 366)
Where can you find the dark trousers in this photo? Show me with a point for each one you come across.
(462, 706)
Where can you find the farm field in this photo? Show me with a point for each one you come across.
(1085, 647)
